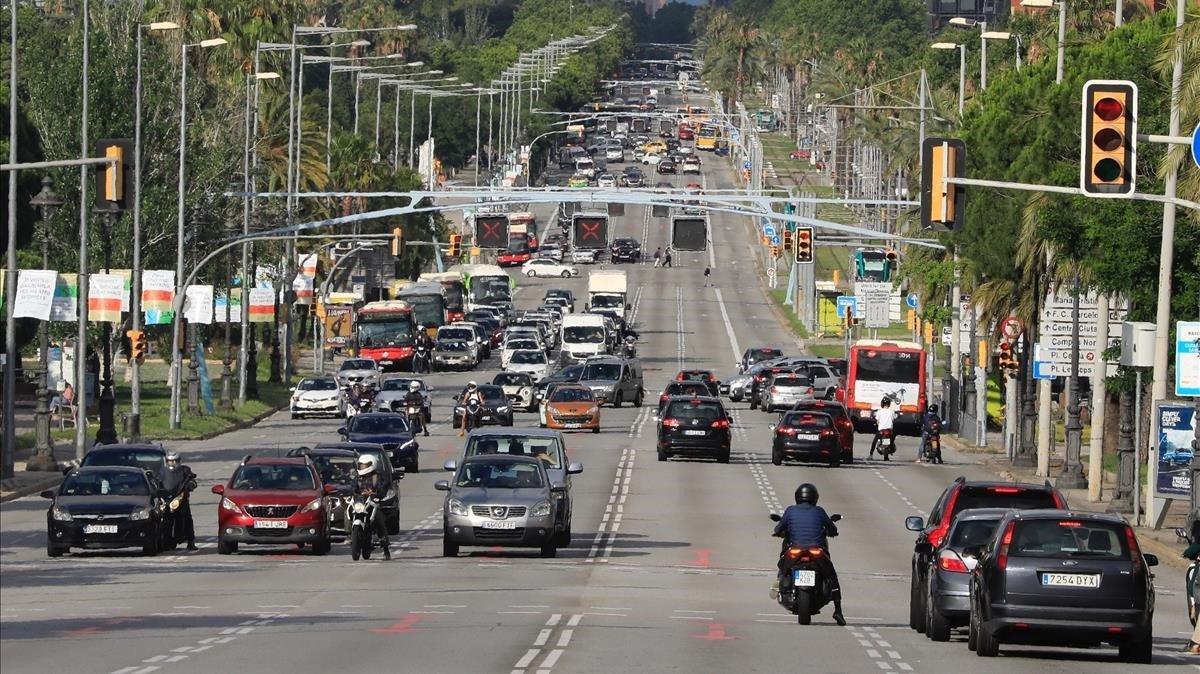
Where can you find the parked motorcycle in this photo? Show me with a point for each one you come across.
(804, 585)
(362, 512)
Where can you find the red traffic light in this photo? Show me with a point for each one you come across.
(1108, 109)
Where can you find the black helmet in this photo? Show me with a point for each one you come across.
(933, 409)
(807, 493)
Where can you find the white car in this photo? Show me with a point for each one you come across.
(545, 267)
(686, 149)
(561, 302)
(606, 180)
(531, 362)
(465, 334)
(519, 387)
(583, 256)
(522, 343)
(550, 251)
(614, 154)
(651, 159)
(691, 164)
(317, 396)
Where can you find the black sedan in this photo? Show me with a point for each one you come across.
(1062, 578)
(103, 507)
(667, 166)
(146, 456)
(694, 426)
(806, 436)
(569, 373)
(387, 429)
(497, 410)
(625, 250)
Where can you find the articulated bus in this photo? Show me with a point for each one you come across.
(428, 302)
(706, 138)
(881, 368)
(384, 332)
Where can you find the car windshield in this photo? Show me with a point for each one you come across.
(358, 364)
(500, 475)
(493, 394)
(396, 384)
(546, 448)
(595, 371)
(606, 302)
(526, 344)
(464, 334)
(154, 461)
(972, 532)
(511, 379)
(529, 357)
(105, 483)
(382, 423)
(1069, 538)
(448, 345)
(584, 334)
(807, 420)
(570, 394)
(317, 385)
(285, 477)
(686, 410)
(1015, 498)
(335, 469)
(569, 373)
(791, 382)
(684, 388)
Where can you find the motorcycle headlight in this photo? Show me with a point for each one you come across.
(360, 507)
(458, 408)
(226, 504)
(541, 509)
(60, 514)
(503, 409)
(312, 505)
(458, 508)
(140, 514)
(175, 503)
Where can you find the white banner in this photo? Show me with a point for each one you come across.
(225, 313)
(198, 304)
(158, 291)
(105, 295)
(65, 307)
(35, 293)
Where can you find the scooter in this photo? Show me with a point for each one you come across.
(421, 360)
(630, 347)
(362, 511)
(1191, 582)
(416, 419)
(804, 587)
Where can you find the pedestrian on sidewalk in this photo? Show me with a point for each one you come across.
(658, 256)
(1192, 552)
(707, 272)
(667, 258)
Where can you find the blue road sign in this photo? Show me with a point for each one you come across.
(775, 239)
(1041, 370)
(1196, 145)
(736, 136)
(911, 300)
(846, 303)
(769, 230)
(746, 165)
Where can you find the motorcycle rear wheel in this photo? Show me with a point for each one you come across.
(804, 607)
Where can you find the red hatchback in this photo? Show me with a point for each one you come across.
(273, 501)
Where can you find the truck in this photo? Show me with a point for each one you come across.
(583, 336)
(487, 284)
(607, 291)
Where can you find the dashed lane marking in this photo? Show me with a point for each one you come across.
(614, 511)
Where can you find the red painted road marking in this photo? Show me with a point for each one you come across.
(403, 627)
(716, 632)
(703, 558)
(93, 630)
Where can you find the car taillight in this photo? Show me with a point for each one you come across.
(1135, 550)
(827, 433)
(1060, 501)
(662, 399)
(786, 430)
(670, 422)
(950, 561)
(1004, 490)
(1002, 553)
(721, 423)
(939, 532)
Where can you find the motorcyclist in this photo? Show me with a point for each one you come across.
(807, 524)
(180, 481)
(630, 346)
(421, 363)
(354, 396)
(931, 426)
(370, 485)
(885, 420)
(470, 397)
(414, 399)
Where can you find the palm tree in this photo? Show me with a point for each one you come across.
(1183, 45)
(273, 144)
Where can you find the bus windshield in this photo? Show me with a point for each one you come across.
(384, 331)
(427, 309)
(892, 367)
(492, 288)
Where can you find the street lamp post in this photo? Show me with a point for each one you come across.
(177, 325)
(1062, 30)
(106, 433)
(1072, 476)
(46, 201)
(962, 70)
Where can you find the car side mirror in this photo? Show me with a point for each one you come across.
(450, 465)
(914, 523)
(218, 489)
(836, 517)
(574, 468)
(975, 551)
(558, 487)
(48, 493)
(442, 485)
(341, 431)
(292, 389)
(1151, 558)
(330, 489)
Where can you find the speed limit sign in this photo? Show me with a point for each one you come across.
(1011, 327)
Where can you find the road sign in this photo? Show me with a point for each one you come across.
(769, 230)
(911, 300)
(772, 277)
(746, 164)
(1196, 145)
(1187, 358)
(775, 240)
(947, 333)
(846, 303)
(1011, 327)
(736, 136)
(875, 300)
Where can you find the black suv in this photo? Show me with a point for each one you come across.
(625, 250)
(1062, 578)
(694, 425)
(632, 177)
(962, 495)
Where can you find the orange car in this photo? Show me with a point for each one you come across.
(571, 407)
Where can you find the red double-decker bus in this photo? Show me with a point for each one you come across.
(881, 368)
(384, 333)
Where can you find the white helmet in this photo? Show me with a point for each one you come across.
(366, 465)
(472, 385)
(414, 385)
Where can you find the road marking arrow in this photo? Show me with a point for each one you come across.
(716, 632)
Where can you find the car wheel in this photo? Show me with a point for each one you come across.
(662, 454)
(549, 551)
(295, 416)
(531, 273)
(914, 613)
(619, 399)
(563, 538)
(53, 550)
(449, 548)
(641, 397)
(777, 457)
(413, 466)
(986, 645)
(937, 628)
(723, 457)
(972, 632)
(1139, 652)
(151, 548)
(565, 274)
(596, 429)
(226, 547)
(322, 547)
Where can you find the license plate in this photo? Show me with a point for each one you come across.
(499, 524)
(572, 425)
(804, 577)
(865, 414)
(99, 528)
(385, 362)
(270, 524)
(693, 432)
(1071, 579)
(808, 436)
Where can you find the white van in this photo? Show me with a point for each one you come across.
(583, 336)
(585, 166)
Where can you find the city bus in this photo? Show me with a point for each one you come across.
(455, 292)
(872, 264)
(428, 302)
(524, 222)
(892, 368)
(384, 333)
(706, 138)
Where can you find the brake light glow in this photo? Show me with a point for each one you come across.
(794, 553)
(1070, 523)
(939, 533)
(786, 430)
(1135, 550)
(1002, 553)
(950, 561)
(826, 433)
(721, 423)
(1005, 490)
(670, 422)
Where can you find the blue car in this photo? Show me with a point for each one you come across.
(386, 429)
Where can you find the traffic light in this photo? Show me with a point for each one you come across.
(787, 240)
(1007, 360)
(774, 251)
(1108, 153)
(455, 245)
(942, 204)
(114, 182)
(397, 242)
(804, 245)
(137, 345)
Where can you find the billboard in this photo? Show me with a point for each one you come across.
(1175, 424)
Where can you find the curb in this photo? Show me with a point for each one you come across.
(51, 480)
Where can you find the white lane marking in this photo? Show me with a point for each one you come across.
(610, 524)
(645, 234)
(528, 658)
(899, 493)
(733, 342)
(544, 637)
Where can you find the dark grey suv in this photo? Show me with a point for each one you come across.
(1062, 578)
(947, 601)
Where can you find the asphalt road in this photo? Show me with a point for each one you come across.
(669, 570)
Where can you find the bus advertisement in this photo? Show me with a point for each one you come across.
(384, 332)
(881, 368)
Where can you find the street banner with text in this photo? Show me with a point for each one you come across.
(104, 298)
(35, 293)
(65, 306)
(262, 305)
(198, 304)
(158, 291)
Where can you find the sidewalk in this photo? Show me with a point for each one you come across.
(1162, 542)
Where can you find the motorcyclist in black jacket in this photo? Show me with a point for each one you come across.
(370, 484)
(807, 524)
(179, 481)
(414, 399)
(423, 341)
(931, 426)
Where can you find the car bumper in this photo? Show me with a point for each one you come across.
(814, 449)
(333, 408)
(531, 532)
(314, 533)
(458, 361)
(688, 445)
(1063, 625)
(129, 534)
(487, 419)
(573, 422)
(784, 401)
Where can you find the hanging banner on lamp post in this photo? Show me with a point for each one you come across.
(262, 305)
(35, 294)
(158, 291)
(105, 292)
(65, 306)
(198, 304)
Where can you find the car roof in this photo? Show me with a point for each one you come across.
(132, 470)
(125, 446)
(504, 458)
(275, 461)
(1029, 486)
(981, 514)
(353, 446)
(509, 431)
(1056, 514)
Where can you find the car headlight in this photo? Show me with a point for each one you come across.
(312, 505)
(226, 504)
(140, 514)
(60, 514)
(458, 508)
(542, 509)
(408, 444)
(594, 410)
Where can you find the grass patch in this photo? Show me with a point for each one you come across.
(778, 295)
(828, 350)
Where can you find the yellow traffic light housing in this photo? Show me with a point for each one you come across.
(455, 245)
(114, 180)
(397, 241)
(1108, 138)
(804, 245)
(943, 204)
(137, 345)
(787, 239)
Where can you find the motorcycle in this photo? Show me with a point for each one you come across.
(932, 448)
(804, 587)
(362, 512)
(421, 359)
(471, 415)
(630, 347)
(884, 443)
(415, 418)
(1191, 580)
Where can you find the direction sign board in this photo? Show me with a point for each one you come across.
(947, 334)
(911, 300)
(1196, 146)
(736, 136)
(846, 303)
(769, 230)
(875, 301)
(775, 240)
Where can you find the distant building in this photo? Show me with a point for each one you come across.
(941, 11)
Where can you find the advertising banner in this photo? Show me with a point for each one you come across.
(158, 291)
(262, 305)
(226, 313)
(1175, 424)
(65, 307)
(105, 293)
